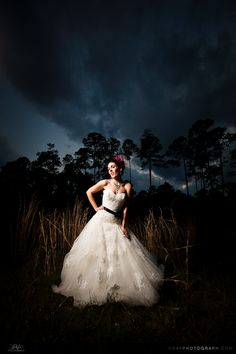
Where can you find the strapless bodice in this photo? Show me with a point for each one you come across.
(113, 201)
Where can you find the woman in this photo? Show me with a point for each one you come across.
(107, 262)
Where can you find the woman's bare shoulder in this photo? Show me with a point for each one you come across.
(127, 185)
(97, 186)
(103, 182)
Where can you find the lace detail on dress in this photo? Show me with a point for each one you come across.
(112, 200)
(113, 293)
(81, 282)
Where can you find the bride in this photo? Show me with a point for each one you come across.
(107, 262)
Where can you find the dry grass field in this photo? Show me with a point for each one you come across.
(196, 307)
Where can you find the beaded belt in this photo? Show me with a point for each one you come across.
(110, 211)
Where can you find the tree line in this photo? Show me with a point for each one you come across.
(205, 154)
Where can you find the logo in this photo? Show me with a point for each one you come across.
(16, 348)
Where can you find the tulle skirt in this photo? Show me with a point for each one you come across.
(103, 265)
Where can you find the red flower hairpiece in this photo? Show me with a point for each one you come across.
(118, 158)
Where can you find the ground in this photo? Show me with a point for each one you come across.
(200, 313)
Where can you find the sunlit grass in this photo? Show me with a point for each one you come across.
(48, 236)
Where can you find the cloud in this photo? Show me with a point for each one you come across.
(121, 67)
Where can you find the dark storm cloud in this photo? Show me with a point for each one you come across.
(30, 53)
(119, 67)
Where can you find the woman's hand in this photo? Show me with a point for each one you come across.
(99, 208)
(124, 231)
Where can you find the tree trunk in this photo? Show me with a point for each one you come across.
(186, 177)
(209, 176)
(222, 172)
(203, 185)
(150, 172)
(129, 170)
(196, 186)
(94, 174)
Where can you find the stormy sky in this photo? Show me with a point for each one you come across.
(68, 68)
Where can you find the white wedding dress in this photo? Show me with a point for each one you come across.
(103, 265)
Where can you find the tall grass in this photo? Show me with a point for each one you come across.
(27, 227)
(169, 241)
(58, 231)
(197, 314)
(48, 236)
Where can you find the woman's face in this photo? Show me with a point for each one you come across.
(113, 170)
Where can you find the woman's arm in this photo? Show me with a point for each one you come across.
(128, 188)
(94, 189)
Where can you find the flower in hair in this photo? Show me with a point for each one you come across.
(118, 158)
